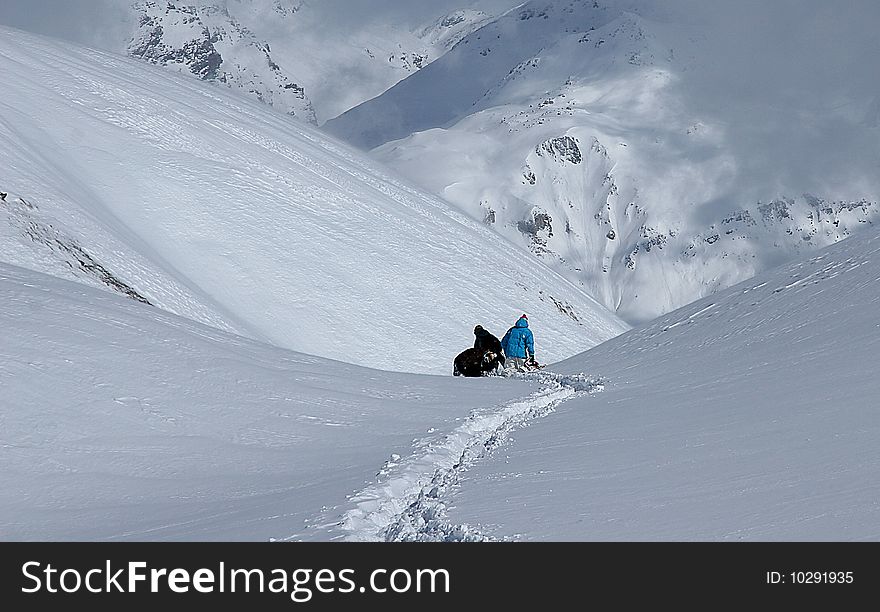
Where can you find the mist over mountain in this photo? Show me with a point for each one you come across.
(653, 153)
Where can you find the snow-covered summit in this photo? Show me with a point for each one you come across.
(449, 29)
(208, 41)
(124, 422)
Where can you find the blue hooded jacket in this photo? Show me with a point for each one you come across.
(518, 341)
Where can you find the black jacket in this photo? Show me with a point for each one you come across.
(487, 342)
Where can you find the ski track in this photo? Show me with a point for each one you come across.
(410, 504)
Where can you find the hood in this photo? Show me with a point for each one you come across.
(523, 322)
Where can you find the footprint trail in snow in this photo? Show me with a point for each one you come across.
(410, 503)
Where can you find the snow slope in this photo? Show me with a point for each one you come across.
(121, 422)
(652, 152)
(182, 195)
(749, 415)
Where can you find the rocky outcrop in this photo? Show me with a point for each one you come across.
(564, 149)
(61, 247)
(208, 42)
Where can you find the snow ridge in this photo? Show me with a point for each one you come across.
(214, 208)
(411, 504)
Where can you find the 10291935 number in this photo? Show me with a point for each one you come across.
(821, 577)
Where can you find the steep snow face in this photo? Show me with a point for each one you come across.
(748, 415)
(123, 422)
(294, 55)
(652, 154)
(182, 195)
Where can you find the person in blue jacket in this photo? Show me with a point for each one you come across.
(519, 344)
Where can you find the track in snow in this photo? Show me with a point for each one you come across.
(410, 504)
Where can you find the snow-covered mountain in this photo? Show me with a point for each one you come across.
(209, 42)
(190, 198)
(653, 152)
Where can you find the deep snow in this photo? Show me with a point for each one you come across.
(121, 422)
(747, 416)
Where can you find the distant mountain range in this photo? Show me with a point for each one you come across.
(276, 52)
(654, 153)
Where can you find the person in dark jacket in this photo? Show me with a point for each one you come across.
(474, 362)
(518, 344)
(485, 341)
